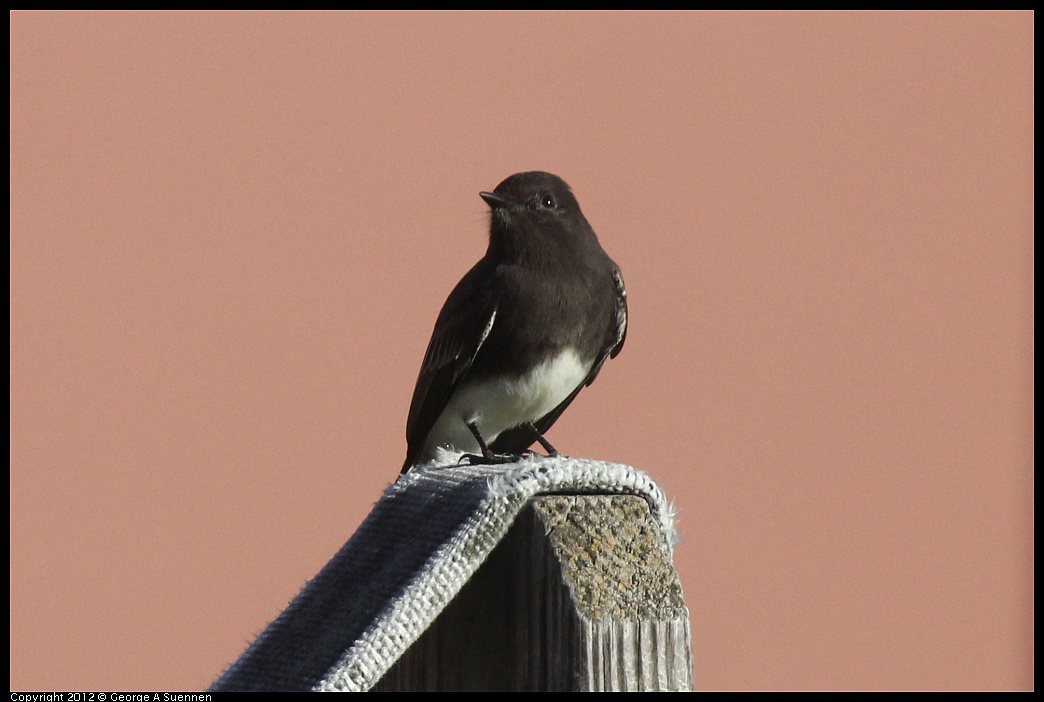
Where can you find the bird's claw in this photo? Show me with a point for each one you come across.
(488, 459)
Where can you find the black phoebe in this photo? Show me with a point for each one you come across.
(528, 326)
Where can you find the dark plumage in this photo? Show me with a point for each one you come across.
(522, 332)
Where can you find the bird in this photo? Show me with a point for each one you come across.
(528, 327)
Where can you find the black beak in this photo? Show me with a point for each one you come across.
(495, 201)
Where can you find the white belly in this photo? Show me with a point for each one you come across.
(497, 405)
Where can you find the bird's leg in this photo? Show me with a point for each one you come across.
(473, 428)
(551, 450)
(487, 455)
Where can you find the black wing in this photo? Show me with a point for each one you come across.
(463, 324)
(515, 441)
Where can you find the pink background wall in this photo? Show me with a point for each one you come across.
(231, 234)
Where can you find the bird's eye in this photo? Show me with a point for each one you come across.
(547, 201)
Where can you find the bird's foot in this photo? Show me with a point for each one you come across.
(552, 452)
(529, 453)
(488, 458)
